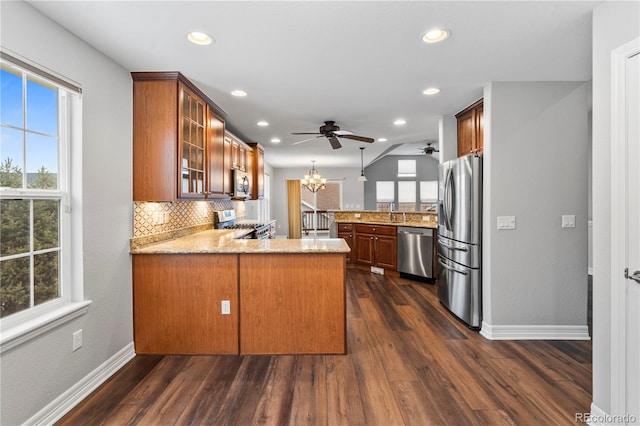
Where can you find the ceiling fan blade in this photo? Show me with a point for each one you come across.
(335, 144)
(342, 133)
(306, 133)
(306, 140)
(357, 138)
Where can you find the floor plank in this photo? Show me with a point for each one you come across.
(409, 362)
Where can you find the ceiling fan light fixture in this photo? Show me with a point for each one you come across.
(436, 35)
(199, 38)
(431, 91)
(362, 177)
(239, 93)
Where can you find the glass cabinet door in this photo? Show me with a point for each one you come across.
(192, 140)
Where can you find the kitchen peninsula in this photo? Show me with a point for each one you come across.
(208, 293)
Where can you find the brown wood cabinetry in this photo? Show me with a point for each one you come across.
(376, 245)
(345, 231)
(293, 303)
(177, 304)
(174, 128)
(257, 171)
(471, 129)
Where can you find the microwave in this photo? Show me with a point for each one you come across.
(241, 187)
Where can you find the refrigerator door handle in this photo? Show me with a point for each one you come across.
(450, 247)
(448, 199)
(449, 268)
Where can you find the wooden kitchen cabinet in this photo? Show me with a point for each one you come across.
(257, 171)
(174, 128)
(376, 245)
(177, 304)
(471, 129)
(345, 231)
(216, 155)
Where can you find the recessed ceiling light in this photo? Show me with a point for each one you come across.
(275, 140)
(199, 38)
(382, 139)
(239, 93)
(400, 122)
(435, 35)
(262, 123)
(431, 91)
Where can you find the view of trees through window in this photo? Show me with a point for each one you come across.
(30, 249)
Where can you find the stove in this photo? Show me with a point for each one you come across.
(247, 229)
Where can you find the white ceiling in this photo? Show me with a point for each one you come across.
(361, 64)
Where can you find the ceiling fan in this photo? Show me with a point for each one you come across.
(428, 149)
(332, 133)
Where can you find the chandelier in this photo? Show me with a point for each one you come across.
(313, 181)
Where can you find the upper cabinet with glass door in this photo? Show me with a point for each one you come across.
(173, 139)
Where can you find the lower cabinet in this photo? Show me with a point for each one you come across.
(375, 245)
(177, 304)
(345, 231)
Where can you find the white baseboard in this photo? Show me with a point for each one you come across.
(74, 395)
(535, 332)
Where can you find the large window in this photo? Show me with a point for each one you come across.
(407, 196)
(385, 194)
(35, 127)
(428, 195)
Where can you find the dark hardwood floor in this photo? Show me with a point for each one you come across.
(409, 362)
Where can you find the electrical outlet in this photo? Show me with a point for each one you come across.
(425, 218)
(77, 340)
(225, 306)
(357, 215)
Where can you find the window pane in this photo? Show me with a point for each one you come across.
(45, 224)
(385, 191)
(14, 286)
(407, 192)
(42, 162)
(429, 191)
(406, 168)
(14, 227)
(45, 277)
(10, 97)
(42, 107)
(12, 158)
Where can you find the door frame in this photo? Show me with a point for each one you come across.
(619, 143)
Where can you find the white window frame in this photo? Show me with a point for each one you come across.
(429, 191)
(19, 328)
(406, 195)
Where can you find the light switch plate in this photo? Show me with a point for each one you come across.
(568, 221)
(506, 222)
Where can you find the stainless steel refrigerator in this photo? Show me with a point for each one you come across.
(460, 238)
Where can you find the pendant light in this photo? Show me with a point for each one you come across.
(362, 177)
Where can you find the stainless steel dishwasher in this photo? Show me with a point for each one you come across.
(415, 251)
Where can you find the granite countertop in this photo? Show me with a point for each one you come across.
(223, 241)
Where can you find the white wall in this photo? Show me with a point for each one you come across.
(535, 169)
(352, 190)
(39, 371)
(614, 24)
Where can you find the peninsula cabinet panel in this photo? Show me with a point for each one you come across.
(177, 304)
(364, 247)
(376, 245)
(292, 304)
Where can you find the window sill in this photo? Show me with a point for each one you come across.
(20, 334)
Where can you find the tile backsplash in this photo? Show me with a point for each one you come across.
(160, 218)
